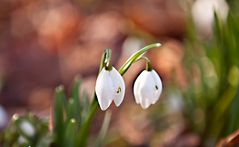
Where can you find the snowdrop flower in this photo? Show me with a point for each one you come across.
(109, 87)
(203, 14)
(147, 88)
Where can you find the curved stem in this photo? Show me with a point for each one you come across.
(148, 63)
(136, 56)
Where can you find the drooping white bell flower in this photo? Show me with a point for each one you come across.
(147, 88)
(109, 87)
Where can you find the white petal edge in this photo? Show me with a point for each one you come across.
(158, 83)
(118, 86)
(145, 103)
(104, 89)
(136, 88)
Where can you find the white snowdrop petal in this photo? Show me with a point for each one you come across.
(104, 104)
(147, 88)
(136, 94)
(147, 85)
(157, 79)
(136, 89)
(118, 86)
(104, 89)
(145, 103)
(157, 86)
(153, 89)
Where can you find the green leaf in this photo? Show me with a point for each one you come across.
(86, 105)
(75, 96)
(70, 134)
(234, 115)
(58, 121)
(72, 110)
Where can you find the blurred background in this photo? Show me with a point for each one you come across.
(45, 43)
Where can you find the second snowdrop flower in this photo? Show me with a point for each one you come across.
(109, 87)
(147, 88)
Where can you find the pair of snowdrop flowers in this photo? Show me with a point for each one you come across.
(110, 87)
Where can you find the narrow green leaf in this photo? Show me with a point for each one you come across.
(76, 94)
(234, 115)
(85, 106)
(70, 133)
(58, 121)
(71, 111)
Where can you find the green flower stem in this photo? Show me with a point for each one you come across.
(136, 56)
(149, 66)
(148, 63)
(105, 62)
